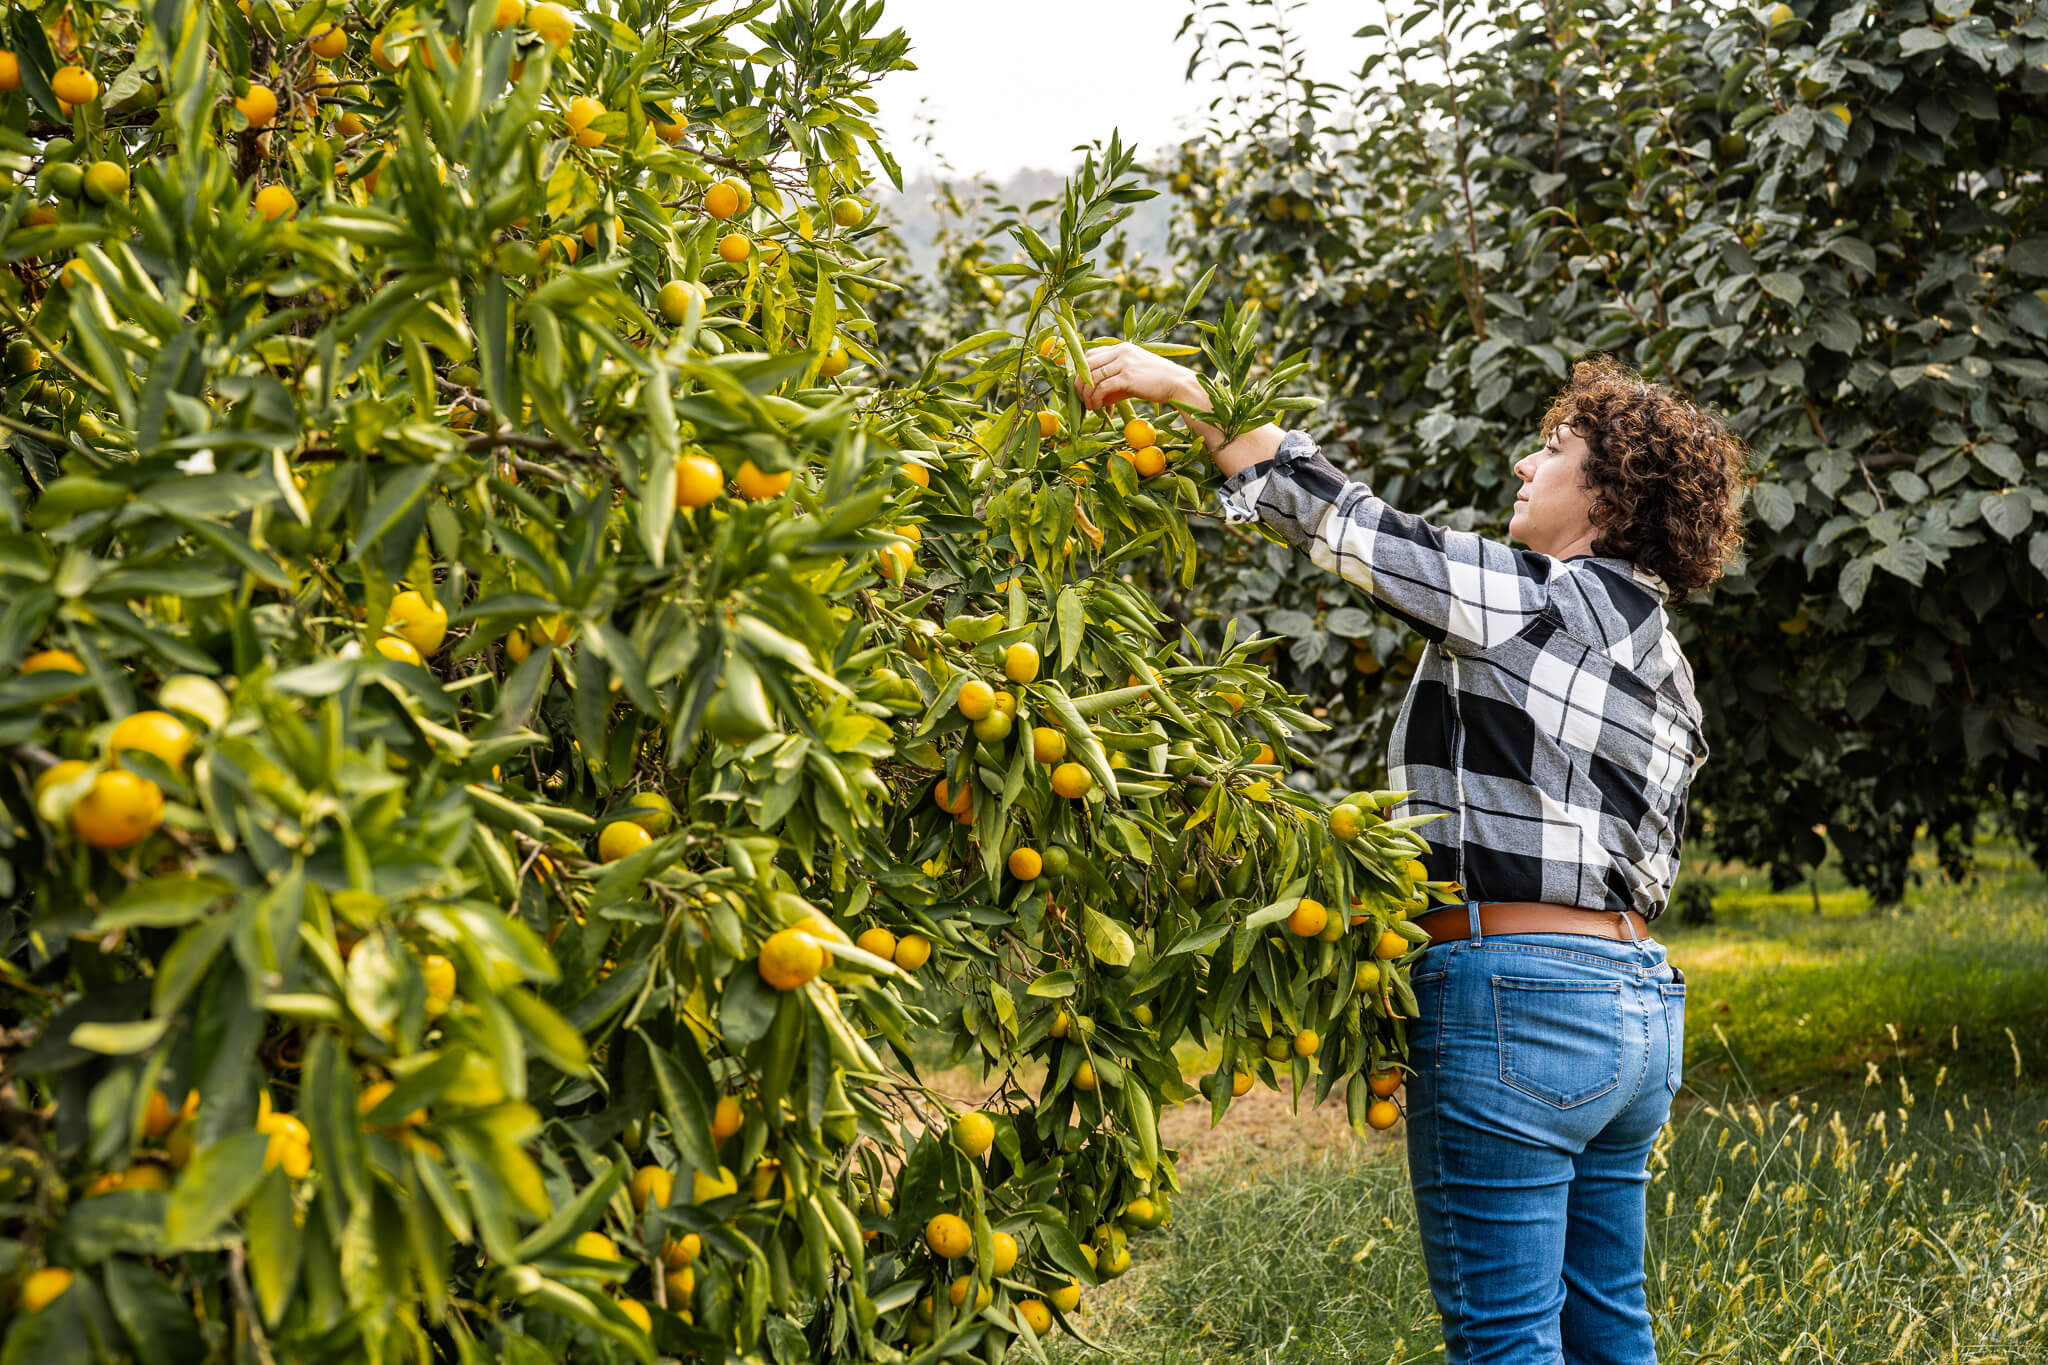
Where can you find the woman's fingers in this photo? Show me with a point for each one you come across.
(1115, 373)
(1103, 395)
(1100, 372)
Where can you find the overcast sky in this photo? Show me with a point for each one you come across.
(1011, 86)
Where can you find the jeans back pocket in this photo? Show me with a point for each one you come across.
(1560, 1041)
(1674, 1032)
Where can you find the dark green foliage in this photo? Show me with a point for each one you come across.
(1865, 300)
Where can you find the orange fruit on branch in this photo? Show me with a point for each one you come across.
(757, 484)
(74, 85)
(1020, 662)
(259, 106)
(620, 838)
(974, 1133)
(275, 202)
(1072, 781)
(42, 1288)
(722, 200)
(581, 113)
(789, 959)
(1048, 745)
(948, 1236)
(1308, 918)
(953, 802)
(674, 300)
(976, 699)
(153, 732)
(699, 481)
(419, 619)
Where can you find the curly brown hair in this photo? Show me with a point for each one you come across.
(1668, 477)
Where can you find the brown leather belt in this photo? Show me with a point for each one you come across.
(1530, 917)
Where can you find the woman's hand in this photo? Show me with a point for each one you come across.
(1127, 371)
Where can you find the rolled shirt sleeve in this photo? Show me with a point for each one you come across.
(1458, 589)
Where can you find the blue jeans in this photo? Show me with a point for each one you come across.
(1545, 1065)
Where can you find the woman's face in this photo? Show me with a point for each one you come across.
(1553, 511)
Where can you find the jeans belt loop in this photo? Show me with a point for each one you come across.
(1472, 918)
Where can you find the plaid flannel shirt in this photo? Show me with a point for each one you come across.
(1552, 712)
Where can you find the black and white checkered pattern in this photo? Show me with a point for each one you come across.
(1552, 713)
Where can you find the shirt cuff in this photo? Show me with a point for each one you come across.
(1297, 464)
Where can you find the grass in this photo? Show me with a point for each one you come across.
(1856, 1173)
(1779, 997)
(1835, 1234)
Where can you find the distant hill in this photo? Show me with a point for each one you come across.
(917, 219)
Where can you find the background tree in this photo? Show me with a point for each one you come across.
(1819, 220)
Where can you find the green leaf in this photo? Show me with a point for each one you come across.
(2006, 513)
(397, 496)
(2028, 256)
(155, 1318)
(120, 1220)
(747, 1008)
(577, 1215)
(162, 903)
(658, 467)
(1106, 939)
(185, 964)
(274, 1245)
(1060, 1244)
(558, 1042)
(1145, 1123)
(974, 343)
(209, 1191)
(120, 1040)
(1775, 505)
(684, 1098)
(1055, 985)
(1785, 285)
(1197, 941)
(1072, 623)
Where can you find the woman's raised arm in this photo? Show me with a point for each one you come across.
(1459, 589)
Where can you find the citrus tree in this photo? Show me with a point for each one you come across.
(1819, 218)
(510, 742)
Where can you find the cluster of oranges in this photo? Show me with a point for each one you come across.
(1141, 448)
(119, 808)
(1141, 443)
(949, 1238)
(414, 628)
(991, 717)
(791, 957)
(599, 1261)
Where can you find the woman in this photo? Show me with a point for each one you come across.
(1552, 716)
